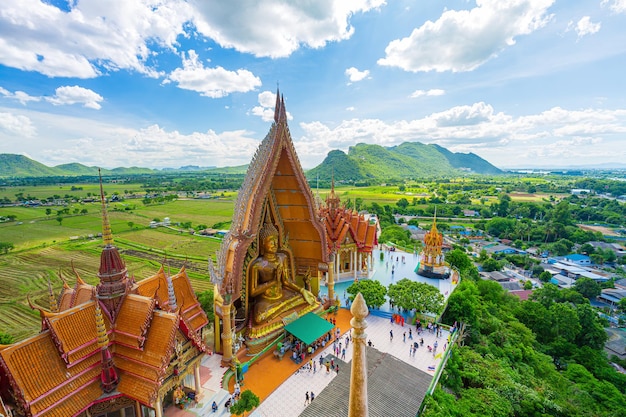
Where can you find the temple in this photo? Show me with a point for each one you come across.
(432, 263)
(270, 263)
(115, 349)
(351, 239)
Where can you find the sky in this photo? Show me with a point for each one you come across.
(170, 83)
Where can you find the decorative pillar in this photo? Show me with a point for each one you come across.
(227, 335)
(357, 406)
(196, 378)
(158, 408)
(138, 409)
(331, 277)
(122, 412)
(355, 264)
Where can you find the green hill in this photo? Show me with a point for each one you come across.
(77, 169)
(408, 160)
(12, 165)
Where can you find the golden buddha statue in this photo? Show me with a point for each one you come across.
(272, 286)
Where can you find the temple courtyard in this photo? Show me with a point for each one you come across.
(281, 384)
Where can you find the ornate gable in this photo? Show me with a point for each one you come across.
(275, 179)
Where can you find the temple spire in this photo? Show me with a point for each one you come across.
(107, 236)
(277, 107)
(108, 375)
(171, 294)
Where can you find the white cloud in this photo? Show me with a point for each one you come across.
(350, 108)
(463, 40)
(20, 96)
(500, 138)
(354, 75)
(265, 110)
(76, 95)
(91, 38)
(212, 82)
(431, 92)
(585, 27)
(276, 28)
(617, 6)
(16, 125)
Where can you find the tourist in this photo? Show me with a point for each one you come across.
(410, 334)
(312, 396)
(343, 354)
(391, 335)
(214, 406)
(337, 369)
(369, 343)
(306, 398)
(404, 337)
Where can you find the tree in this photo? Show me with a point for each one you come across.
(131, 224)
(587, 287)
(205, 298)
(246, 402)
(5, 247)
(402, 203)
(60, 220)
(545, 276)
(418, 296)
(5, 338)
(373, 292)
(491, 265)
(458, 259)
(48, 211)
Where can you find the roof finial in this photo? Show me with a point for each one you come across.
(107, 236)
(277, 107)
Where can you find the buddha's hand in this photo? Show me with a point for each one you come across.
(308, 295)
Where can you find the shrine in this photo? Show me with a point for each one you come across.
(271, 261)
(116, 349)
(432, 262)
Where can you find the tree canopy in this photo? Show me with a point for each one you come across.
(372, 290)
(418, 296)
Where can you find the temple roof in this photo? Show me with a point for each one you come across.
(275, 176)
(339, 222)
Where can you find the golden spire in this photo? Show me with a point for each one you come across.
(434, 226)
(107, 236)
(103, 338)
(54, 307)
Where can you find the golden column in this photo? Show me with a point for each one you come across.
(227, 332)
(331, 277)
(357, 406)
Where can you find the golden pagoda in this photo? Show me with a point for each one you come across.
(118, 348)
(270, 262)
(432, 263)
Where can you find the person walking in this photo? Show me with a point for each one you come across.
(391, 335)
(404, 337)
(312, 396)
(343, 354)
(306, 398)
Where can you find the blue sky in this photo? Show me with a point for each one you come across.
(168, 83)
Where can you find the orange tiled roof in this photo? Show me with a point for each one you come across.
(65, 298)
(134, 387)
(134, 319)
(159, 343)
(43, 377)
(75, 345)
(188, 304)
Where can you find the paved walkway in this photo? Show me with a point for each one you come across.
(289, 399)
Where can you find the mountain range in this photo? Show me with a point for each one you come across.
(362, 162)
(408, 160)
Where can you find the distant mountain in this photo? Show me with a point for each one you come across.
(77, 169)
(21, 166)
(12, 165)
(408, 160)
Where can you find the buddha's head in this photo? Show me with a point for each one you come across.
(269, 238)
